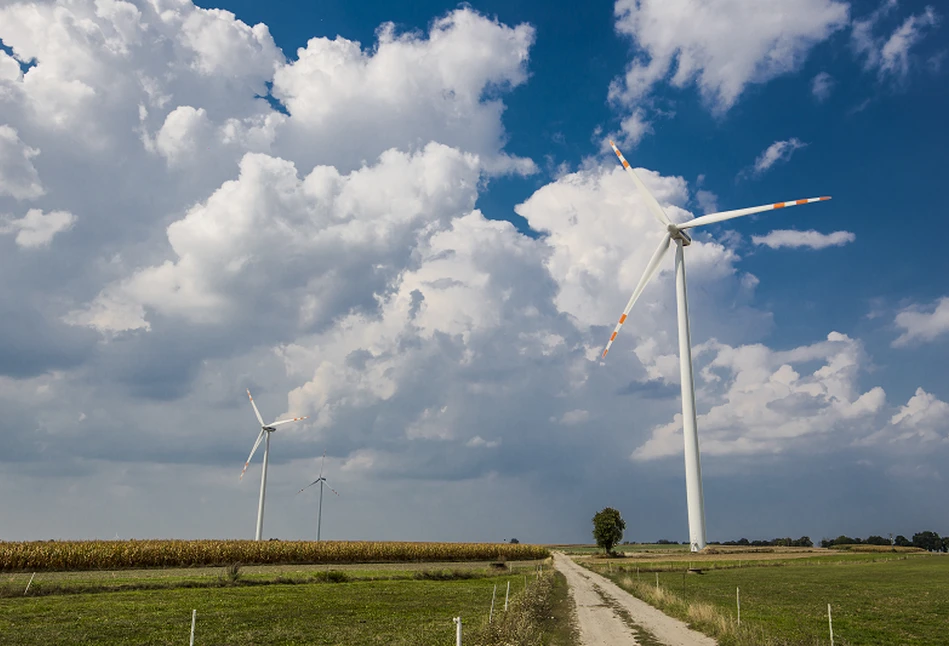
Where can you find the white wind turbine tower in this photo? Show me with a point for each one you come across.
(321, 480)
(676, 232)
(265, 431)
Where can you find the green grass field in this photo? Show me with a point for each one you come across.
(876, 598)
(638, 548)
(401, 611)
(14, 584)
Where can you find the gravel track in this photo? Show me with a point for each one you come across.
(600, 624)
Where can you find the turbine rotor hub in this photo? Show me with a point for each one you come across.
(678, 234)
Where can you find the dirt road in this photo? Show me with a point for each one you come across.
(600, 603)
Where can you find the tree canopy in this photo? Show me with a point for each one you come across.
(608, 528)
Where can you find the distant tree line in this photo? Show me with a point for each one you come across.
(930, 541)
(803, 541)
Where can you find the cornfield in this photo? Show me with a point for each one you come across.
(37, 556)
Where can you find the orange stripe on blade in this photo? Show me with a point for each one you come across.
(802, 202)
(625, 163)
(613, 336)
(823, 198)
(622, 319)
(779, 205)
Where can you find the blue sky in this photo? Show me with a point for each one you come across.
(177, 240)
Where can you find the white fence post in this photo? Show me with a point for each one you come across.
(830, 623)
(491, 614)
(657, 581)
(457, 631)
(194, 615)
(29, 584)
(738, 601)
(506, 595)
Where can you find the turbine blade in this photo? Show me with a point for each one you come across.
(256, 412)
(711, 218)
(651, 201)
(287, 421)
(331, 489)
(322, 463)
(651, 270)
(308, 486)
(252, 451)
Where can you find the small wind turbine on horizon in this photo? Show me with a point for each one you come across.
(693, 468)
(265, 431)
(322, 481)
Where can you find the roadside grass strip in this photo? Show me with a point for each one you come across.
(894, 600)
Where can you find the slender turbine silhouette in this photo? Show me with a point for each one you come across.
(265, 431)
(322, 481)
(677, 232)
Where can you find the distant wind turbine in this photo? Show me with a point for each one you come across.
(265, 431)
(693, 468)
(321, 480)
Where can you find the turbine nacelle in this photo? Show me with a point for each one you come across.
(678, 234)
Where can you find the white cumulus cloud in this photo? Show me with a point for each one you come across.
(290, 244)
(809, 239)
(822, 85)
(36, 228)
(921, 324)
(18, 176)
(442, 86)
(924, 419)
(767, 401)
(779, 151)
(721, 46)
(890, 55)
(572, 417)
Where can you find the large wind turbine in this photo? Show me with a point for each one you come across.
(321, 480)
(677, 233)
(265, 431)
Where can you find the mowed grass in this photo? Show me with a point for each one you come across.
(396, 612)
(43, 583)
(648, 562)
(638, 548)
(895, 600)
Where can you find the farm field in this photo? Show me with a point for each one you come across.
(766, 557)
(414, 604)
(678, 553)
(36, 556)
(45, 583)
(639, 548)
(357, 612)
(877, 598)
(332, 602)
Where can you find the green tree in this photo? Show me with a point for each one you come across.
(902, 541)
(608, 528)
(928, 541)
